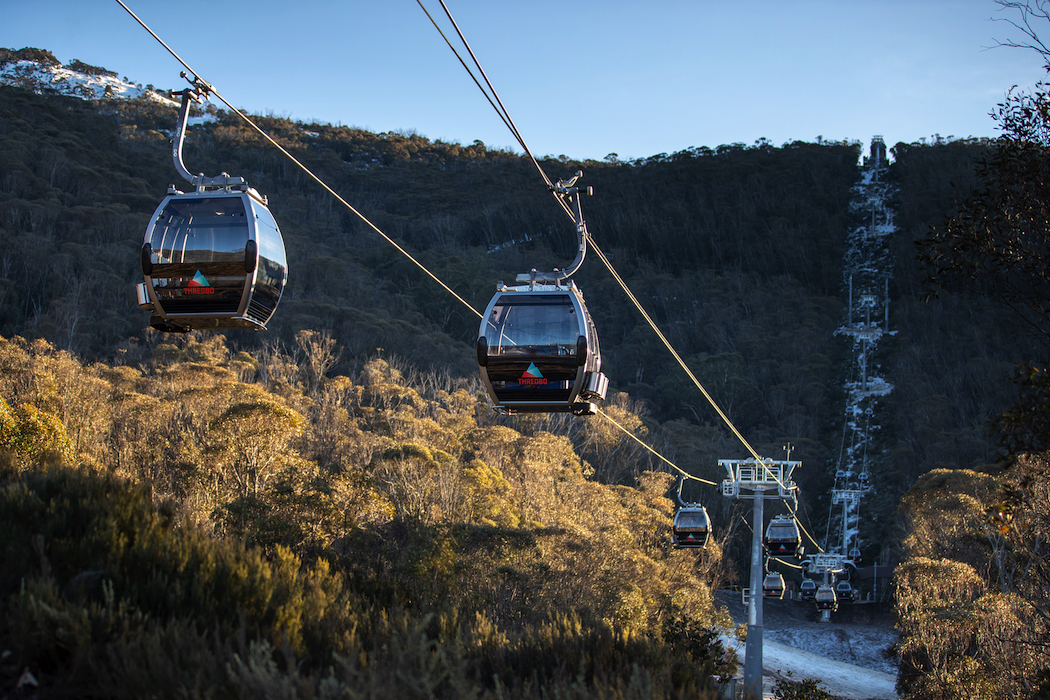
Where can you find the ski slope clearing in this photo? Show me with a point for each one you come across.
(847, 655)
(841, 679)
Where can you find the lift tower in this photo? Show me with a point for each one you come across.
(758, 480)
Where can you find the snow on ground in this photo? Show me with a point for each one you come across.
(87, 86)
(847, 654)
(33, 75)
(840, 679)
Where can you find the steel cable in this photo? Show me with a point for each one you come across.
(210, 88)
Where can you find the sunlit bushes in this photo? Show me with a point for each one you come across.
(972, 594)
(104, 595)
(310, 536)
(29, 434)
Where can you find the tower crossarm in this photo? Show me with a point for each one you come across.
(769, 476)
(827, 563)
(851, 496)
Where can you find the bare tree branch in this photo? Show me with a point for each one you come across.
(1029, 10)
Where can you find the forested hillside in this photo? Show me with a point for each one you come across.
(352, 438)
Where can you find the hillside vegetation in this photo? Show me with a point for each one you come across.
(211, 524)
(736, 252)
(972, 591)
(343, 471)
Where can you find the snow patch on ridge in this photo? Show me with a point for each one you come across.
(34, 76)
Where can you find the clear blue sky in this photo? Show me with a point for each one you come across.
(582, 78)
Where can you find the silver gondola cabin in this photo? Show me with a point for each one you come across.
(691, 527)
(212, 257)
(537, 348)
(826, 599)
(783, 538)
(773, 585)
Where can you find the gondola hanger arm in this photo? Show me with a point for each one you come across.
(200, 90)
(201, 87)
(568, 191)
(569, 194)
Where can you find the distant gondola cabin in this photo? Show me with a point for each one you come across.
(773, 585)
(826, 599)
(691, 527)
(783, 538)
(844, 591)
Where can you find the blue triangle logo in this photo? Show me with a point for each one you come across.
(199, 280)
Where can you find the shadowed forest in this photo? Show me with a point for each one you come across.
(332, 509)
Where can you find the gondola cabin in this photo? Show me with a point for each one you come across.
(826, 599)
(538, 350)
(783, 538)
(844, 591)
(691, 527)
(213, 258)
(773, 585)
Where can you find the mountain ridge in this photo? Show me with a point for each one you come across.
(39, 71)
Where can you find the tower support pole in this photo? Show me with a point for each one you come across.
(753, 646)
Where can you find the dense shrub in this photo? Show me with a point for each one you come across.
(105, 596)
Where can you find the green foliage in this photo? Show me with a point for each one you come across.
(42, 56)
(31, 434)
(945, 510)
(994, 247)
(995, 244)
(1024, 428)
(702, 646)
(140, 607)
(951, 357)
(973, 575)
(971, 596)
(39, 433)
(65, 524)
(82, 67)
(486, 496)
(805, 689)
(8, 427)
(251, 441)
